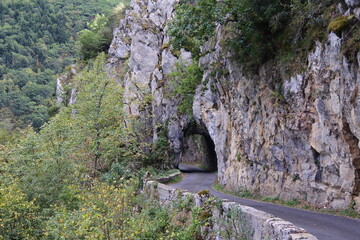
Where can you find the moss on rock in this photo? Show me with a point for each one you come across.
(339, 24)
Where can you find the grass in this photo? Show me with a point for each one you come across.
(296, 203)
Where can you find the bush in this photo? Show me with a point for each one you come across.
(104, 213)
(193, 25)
(19, 218)
(92, 40)
(339, 24)
(97, 38)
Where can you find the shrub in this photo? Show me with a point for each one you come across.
(92, 40)
(19, 218)
(103, 214)
(194, 23)
(159, 156)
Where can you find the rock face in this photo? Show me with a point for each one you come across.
(141, 56)
(62, 96)
(298, 139)
(137, 48)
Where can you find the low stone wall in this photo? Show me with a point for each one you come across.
(169, 178)
(231, 220)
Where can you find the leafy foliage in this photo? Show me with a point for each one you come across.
(185, 79)
(252, 23)
(92, 40)
(193, 25)
(42, 164)
(253, 30)
(78, 144)
(109, 212)
(19, 218)
(107, 134)
(103, 214)
(159, 155)
(98, 36)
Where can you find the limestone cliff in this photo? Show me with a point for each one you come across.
(140, 53)
(296, 140)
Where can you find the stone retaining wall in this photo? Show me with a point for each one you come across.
(231, 220)
(169, 178)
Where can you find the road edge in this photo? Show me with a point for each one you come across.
(262, 225)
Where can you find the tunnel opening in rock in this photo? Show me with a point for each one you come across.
(198, 147)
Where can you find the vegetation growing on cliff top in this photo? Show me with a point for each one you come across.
(254, 31)
(99, 33)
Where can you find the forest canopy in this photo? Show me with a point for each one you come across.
(38, 39)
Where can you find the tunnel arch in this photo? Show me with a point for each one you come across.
(201, 133)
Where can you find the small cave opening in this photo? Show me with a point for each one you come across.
(198, 147)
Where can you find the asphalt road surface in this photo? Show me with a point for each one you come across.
(323, 226)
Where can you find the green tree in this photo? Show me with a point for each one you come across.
(42, 165)
(92, 40)
(107, 132)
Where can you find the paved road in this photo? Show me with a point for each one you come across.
(323, 226)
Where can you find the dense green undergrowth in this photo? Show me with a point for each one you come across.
(101, 211)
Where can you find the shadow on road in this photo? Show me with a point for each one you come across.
(192, 169)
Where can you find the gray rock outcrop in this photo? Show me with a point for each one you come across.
(298, 139)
